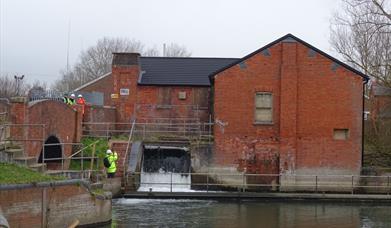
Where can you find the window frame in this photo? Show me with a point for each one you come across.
(256, 108)
(346, 132)
(160, 98)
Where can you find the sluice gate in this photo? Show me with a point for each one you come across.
(165, 169)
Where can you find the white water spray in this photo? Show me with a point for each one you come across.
(164, 182)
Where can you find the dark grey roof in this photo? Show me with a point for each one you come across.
(179, 70)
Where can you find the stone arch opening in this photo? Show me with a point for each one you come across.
(52, 152)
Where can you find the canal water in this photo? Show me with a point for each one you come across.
(209, 213)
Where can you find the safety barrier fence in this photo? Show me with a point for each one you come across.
(147, 129)
(65, 158)
(274, 182)
(21, 133)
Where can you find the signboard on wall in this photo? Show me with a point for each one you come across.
(114, 95)
(124, 92)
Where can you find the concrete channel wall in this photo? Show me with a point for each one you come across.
(55, 204)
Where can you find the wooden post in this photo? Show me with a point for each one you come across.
(92, 160)
(82, 167)
(43, 208)
(352, 184)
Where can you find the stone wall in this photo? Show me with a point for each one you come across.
(53, 206)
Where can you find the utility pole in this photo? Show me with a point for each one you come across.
(18, 80)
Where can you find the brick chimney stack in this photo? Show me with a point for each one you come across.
(124, 59)
(125, 71)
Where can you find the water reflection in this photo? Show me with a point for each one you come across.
(206, 213)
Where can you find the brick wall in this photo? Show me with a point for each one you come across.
(380, 106)
(64, 204)
(99, 114)
(61, 121)
(125, 77)
(149, 104)
(312, 96)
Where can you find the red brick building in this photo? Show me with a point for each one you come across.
(145, 88)
(379, 102)
(288, 108)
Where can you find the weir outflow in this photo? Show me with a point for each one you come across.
(165, 169)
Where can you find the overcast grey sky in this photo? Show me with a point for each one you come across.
(34, 32)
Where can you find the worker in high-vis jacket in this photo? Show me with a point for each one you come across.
(112, 159)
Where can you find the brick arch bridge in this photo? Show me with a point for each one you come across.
(45, 121)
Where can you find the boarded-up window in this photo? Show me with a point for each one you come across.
(164, 96)
(182, 95)
(341, 134)
(200, 97)
(263, 107)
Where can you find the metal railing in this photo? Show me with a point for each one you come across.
(127, 149)
(145, 130)
(354, 184)
(21, 133)
(35, 95)
(73, 157)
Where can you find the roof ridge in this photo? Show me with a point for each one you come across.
(165, 57)
(289, 35)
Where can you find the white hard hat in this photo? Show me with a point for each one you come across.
(80, 95)
(72, 95)
(109, 151)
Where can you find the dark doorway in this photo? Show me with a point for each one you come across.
(51, 151)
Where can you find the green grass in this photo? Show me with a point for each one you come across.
(76, 164)
(98, 191)
(14, 174)
(100, 152)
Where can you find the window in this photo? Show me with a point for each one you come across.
(341, 134)
(182, 95)
(200, 97)
(164, 97)
(263, 108)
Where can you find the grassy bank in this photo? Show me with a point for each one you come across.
(14, 174)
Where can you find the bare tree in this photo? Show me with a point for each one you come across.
(361, 34)
(176, 50)
(96, 60)
(10, 87)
